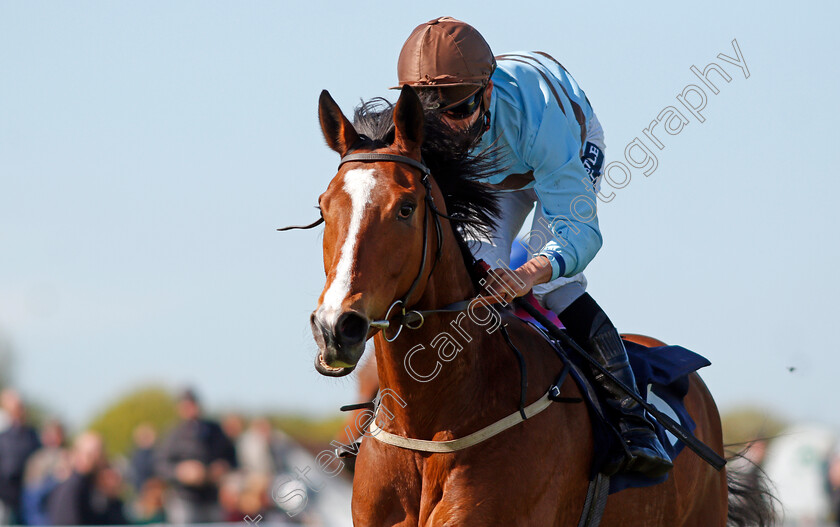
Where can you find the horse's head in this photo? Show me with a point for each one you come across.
(374, 224)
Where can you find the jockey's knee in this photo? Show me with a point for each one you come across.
(559, 297)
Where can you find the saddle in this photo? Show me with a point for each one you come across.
(662, 377)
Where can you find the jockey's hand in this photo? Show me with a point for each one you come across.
(503, 285)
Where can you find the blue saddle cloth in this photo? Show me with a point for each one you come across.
(662, 379)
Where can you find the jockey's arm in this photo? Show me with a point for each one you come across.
(566, 194)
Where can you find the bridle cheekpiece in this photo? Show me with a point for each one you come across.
(412, 319)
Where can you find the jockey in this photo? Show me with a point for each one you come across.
(529, 111)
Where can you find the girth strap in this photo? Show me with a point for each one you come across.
(596, 501)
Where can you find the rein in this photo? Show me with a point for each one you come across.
(411, 319)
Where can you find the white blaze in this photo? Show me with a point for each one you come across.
(358, 184)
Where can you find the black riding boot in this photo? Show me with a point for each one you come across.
(645, 452)
(587, 323)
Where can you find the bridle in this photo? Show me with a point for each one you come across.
(412, 319)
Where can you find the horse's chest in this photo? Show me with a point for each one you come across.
(460, 493)
(418, 490)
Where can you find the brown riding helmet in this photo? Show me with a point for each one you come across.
(448, 54)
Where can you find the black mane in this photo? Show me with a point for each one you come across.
(472, 205)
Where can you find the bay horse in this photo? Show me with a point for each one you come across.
(394, 236)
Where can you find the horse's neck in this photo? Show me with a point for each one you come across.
(435, 391)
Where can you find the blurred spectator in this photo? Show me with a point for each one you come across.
(834, 483)
(193, 459)
(262, 450)
(142, 464)
(796, 463)
(148, 507)
(256, 496)
(107, 500)
(242, 495)
(45, 469)
(230, 494)
(90, 495)
(5, 420)
(17, 443)
(233, 425)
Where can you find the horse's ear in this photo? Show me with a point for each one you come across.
(408, 121)
(338, 131)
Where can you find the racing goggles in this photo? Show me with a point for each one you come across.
(465, 108)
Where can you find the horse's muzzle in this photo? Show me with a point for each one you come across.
(340, 344)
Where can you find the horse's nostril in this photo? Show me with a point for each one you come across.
(351, 328)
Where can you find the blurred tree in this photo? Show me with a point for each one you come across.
(307, 428)
(151, 404)
(745, 424)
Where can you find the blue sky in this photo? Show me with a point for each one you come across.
(148, 150)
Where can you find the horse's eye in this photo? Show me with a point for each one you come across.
(406, 210)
